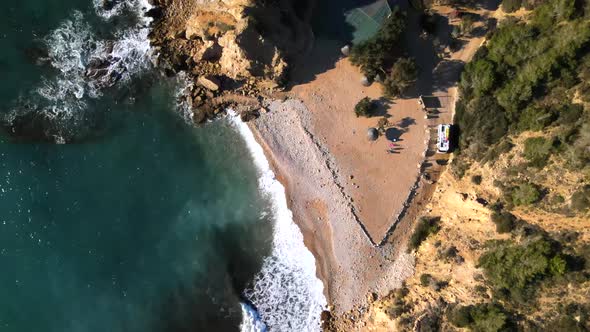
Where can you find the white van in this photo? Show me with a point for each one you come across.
(443, 141)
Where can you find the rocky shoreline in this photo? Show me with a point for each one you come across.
(236, 52)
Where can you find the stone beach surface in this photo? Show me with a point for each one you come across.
(350, 266)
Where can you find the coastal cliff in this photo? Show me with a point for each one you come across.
(237, 47)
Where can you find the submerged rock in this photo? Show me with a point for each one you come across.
(248, 116)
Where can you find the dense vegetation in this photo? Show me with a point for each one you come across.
(380, 57)
(424, 227)
(481, 317)
(513, 268)
(530, 77)
(365, 107)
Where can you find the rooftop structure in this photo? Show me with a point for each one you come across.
(367, 20)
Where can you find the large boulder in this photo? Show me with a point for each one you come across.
(209, 82)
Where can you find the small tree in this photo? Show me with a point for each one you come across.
(364, 107)
(537, 150)
(511, 6)
(476, 179)
(505, 221)
(403, 74)
(425, 279)
(382, 125)
(525, 194)
(466, 24)
(424, 227)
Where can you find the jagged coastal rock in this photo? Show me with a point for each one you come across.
(240, 47)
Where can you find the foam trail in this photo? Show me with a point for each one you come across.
(286, 292)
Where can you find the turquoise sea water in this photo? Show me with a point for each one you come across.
(143, 222)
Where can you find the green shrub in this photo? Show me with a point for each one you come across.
(365, 107)
(552, 12)
(482, 123)
(373, 54)
(512, 268)
(576, 152)
(481, 289)
(581, 199)
(536, 118)
(572, 317)
(481, 317)
(478, 77)
(565, 323)
(525, 194)
(570, 114)
(466, 24)
(505, 221)
(403, 74)
(459, 166)
(511, 6)
(425, 279)
(503, 147)
(476, 179)
(460, 316)
(425, 227)
(557, 265)
(537, 150)
(522, 80)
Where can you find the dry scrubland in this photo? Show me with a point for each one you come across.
(504, 243)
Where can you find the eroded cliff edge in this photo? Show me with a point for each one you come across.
(236, 51)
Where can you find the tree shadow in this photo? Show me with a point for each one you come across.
(382, 106)
(406, 122)
(446, 74)
(435, 73)
(395, 132)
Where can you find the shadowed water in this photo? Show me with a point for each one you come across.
(141, 222)
(145, 223)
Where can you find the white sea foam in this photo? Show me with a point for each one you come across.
(73, 46)
(184, 104)
(286, 292)
(119, 6)
(251, 320)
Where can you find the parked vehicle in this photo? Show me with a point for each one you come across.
(443, 142)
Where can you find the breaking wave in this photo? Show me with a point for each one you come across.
(85, 64)
(286, 292)
(251, 321)
(108, 9)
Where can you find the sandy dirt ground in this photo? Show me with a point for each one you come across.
(347, 263)
(377, 181)
(346, 193)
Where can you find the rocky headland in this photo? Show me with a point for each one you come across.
(235, 51)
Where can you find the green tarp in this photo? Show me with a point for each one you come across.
(367, 20)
